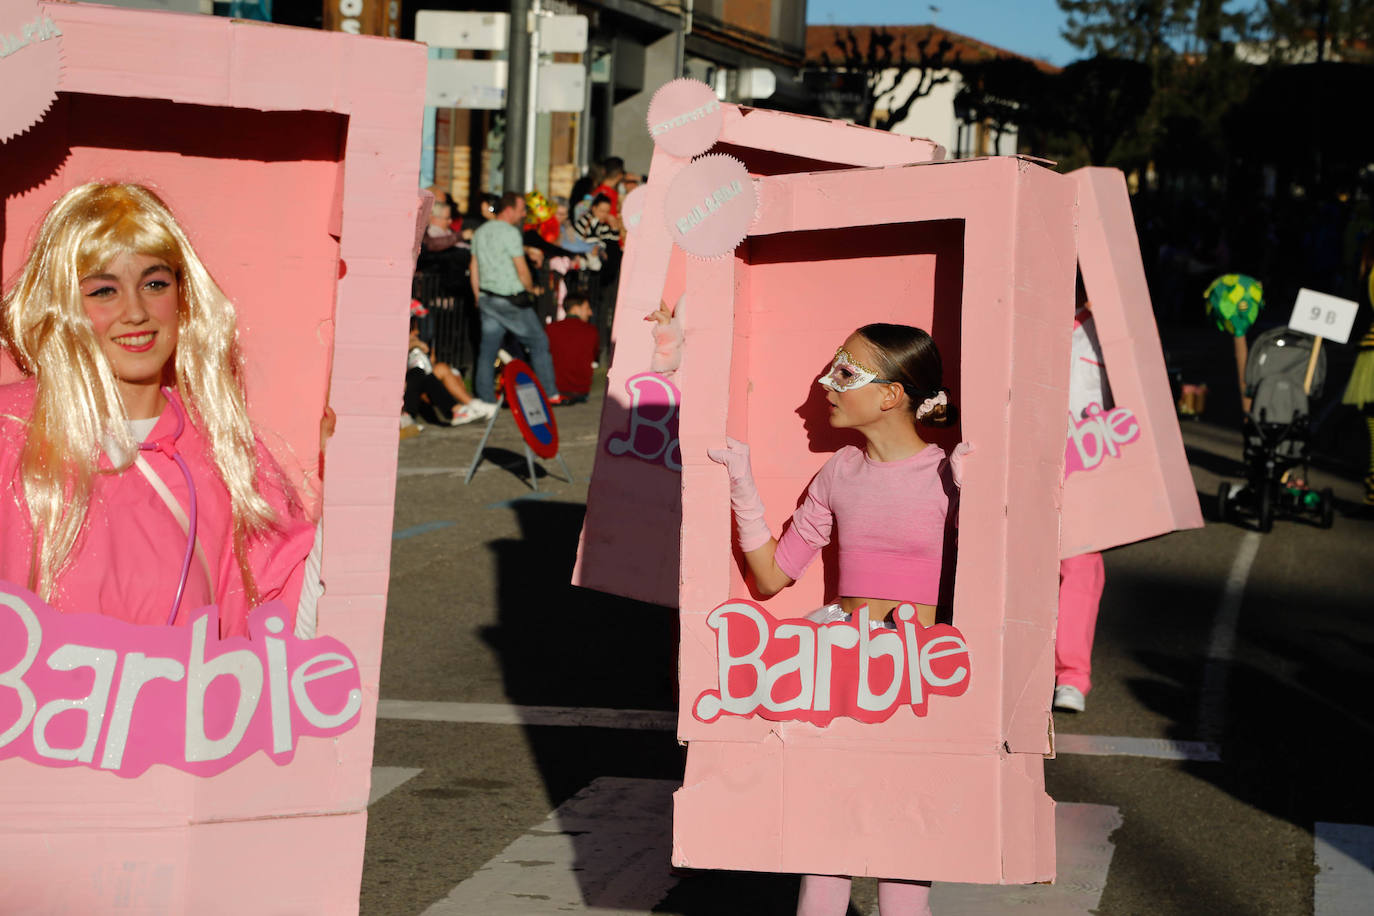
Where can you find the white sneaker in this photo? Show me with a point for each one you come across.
(482, 409)
(464, 414)
(1069, 698)
(504, 356)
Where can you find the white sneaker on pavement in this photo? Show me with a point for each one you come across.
(1069, 698)
(481, 408)
(464, 414)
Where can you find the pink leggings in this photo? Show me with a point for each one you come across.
(1081, 579)
(828, 895)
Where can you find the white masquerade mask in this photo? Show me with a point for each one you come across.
(846, 373)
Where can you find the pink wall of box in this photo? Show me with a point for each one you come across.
(1144, 489)
(289, 156)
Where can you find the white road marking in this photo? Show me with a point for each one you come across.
(507, 714)
(1161, 748)
(425, 472)
(1084, 847)
(663, 721)
(388, 779)
(606, 850)
(1221, 647)
(1344, 855)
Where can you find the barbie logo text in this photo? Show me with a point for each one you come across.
(93, 690)
(653, 433)
(709, 204)
(814, 672)
(1098, 435)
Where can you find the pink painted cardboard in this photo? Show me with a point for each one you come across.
(30, 65)
(183, 698)
(982, 254)
(634, 508)
(1146, 489)
(289, 156)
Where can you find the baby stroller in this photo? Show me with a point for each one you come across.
(1276, 435)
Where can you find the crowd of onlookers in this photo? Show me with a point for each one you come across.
(521, 275)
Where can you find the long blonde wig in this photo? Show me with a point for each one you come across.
(45, 328)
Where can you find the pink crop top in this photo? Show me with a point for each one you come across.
(889, 518)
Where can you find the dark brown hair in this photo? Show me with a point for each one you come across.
(509, 201)
(909, 357)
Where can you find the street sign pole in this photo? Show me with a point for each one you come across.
(532, 96)
(518, 99)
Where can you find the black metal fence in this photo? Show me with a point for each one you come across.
(450, 327)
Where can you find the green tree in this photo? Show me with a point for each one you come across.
(1188, 49)
(1101, 100)
(1313, 31)
(1003, 93)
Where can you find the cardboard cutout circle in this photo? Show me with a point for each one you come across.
(530, 408)
(710, 205)
(30, 65)
(685, 118)
(632, 207)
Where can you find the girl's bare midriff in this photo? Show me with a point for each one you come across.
(880, 608)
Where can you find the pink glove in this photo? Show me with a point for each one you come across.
(956, 463)
(744, 496)
(667, 348)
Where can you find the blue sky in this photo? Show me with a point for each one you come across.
(1029, 27)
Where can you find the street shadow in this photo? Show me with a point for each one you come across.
(1287, 712)
(1220, 465)
(564, 646)
(514, 463)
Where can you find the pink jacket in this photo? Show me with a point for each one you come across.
(127, 561)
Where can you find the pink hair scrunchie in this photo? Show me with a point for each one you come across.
(929, 404)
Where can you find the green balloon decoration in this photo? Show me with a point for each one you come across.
(1234, 302)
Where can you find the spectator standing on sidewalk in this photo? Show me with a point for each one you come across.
(575, 344)
(506, 294)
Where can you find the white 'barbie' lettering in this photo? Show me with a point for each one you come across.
(814, 672)
(41, 29)
(67, 681)
(696, 114)
(709, 205)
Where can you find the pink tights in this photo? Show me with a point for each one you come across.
(1081, 580)
(828, 895)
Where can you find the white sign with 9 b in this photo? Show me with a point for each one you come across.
(1323, 315)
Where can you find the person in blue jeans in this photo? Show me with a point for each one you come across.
(499, 277)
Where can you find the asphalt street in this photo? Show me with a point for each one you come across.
(1240, 662)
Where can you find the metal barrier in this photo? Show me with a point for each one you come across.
(451, 327)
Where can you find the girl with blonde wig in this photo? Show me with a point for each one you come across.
(128, 444)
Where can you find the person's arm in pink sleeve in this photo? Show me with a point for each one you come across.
(807, 533)
(277, 558)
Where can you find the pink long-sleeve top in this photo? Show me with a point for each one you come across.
(127, 560)
(889, 518)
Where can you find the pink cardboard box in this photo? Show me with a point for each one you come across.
(289, 157)
(1118, 492)
(982, 254)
